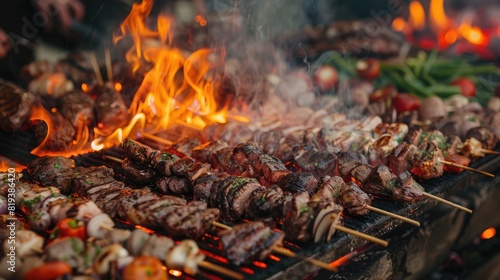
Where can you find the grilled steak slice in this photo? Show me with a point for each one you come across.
(299, 182)
(132, 197)
(402, 157)
(249, 241)
(63, 179)
(269, 141)
(244, 153)
(77, 107)
(266, 203)
(222, 160)
(173, 184)
(410, 190)
(45, 168)
(204, 152)
(359, 174)
(413, 135)
(270, 168)
(346, 161)
(163, 162)
(203, 185)
(353, 199)
(319, 163)
(138, 152)
(293, 203)
(185, 146)
(182, 166)
(100, 175)
(329, 188)
(196, 171)
(196, 224)
(111, 110)
(138, 173)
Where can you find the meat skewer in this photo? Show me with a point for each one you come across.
(36, 168)
(141, 153)
(369, 207)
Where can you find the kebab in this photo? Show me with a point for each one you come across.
(222, 186)
(137, 206)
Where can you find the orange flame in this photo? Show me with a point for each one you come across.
(6, 164)
(78, 145)
(472, 34)
(179, 88)
(437, 15)
(417, 15)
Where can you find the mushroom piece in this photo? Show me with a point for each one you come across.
(185, 256)
(111, 253)
(99, 225)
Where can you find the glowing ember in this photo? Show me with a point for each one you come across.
(118, 87)
(488, 233)
(146, 230)
(175, 273)
(344, 259)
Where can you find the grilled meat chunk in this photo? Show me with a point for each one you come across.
(138, 152)
(353, 199)
(346, 161)
(268, 169)
(382, 182)
(381, 149)
(138, 173)
(44, 169)
(410, 190)
(222, 160)
(249, 241)
(185, 146)
(202, 187)
(328, 190)
(299, 182)
(268, 202)
(99, 175)
(244, 153)
(77, 107)
(15, 106)
(163, 162)
(402, 157)
(427, 162)
(319, 163)
(359, 174)
(268, 141)
(413, 135)
(173, 184)
(483, 135)
(111, 110)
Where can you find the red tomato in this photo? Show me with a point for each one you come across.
(368, 69)
(405, 102)
(467, 85)
(48, 271)
(457, 159)
(145, 268)
(326, 77)
(69, 227)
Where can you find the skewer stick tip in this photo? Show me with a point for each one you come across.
(362, 235)
(490, 152)
(447, 202)
(395, 216)
(467, 168)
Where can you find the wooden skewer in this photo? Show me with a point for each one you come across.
(395, 216)
(285, 252)
(157, 139)
(109, 67)
(362, 235)
(37, 250)
(466, 168)
(222, 270)
(447, 202)
(115, 159)
(490, 152)
(95, 65)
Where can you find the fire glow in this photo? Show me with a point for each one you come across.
(436, 29)
(180, 88)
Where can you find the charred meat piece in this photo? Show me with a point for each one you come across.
(15, 106)
(77, 107)
(138, 152)
(107, 196)
(138, 173)
(413, 135)
(249, 241)
(286, 148)
(99, 175)
(163, 162)
(203, 153)
(222, 160)
(299, 182)
(185, 146)
(111, 111)
(173, 184)
(244, 153)
(265, 203)
(191, 220)
(410, 190)
(202, 187)
(319, 163)
(382, 182)
(269, 141)
(329, 188)
(181, 167)
(44, 169)
(293, 202)
(381, 149)
(483, 135)
(269, 167)
(353, 199)
(427, 162)
(64, 179)
(397, 130)
(436, 137)
(454, 144)
(359, 174)
(401, 159)
(346, 161)
(62, 135)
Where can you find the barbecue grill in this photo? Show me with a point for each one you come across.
(413, 252)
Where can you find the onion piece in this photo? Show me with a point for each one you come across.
(111, 253)
(323, 221)
(185, 256)
(331, 232)
(99, 225)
